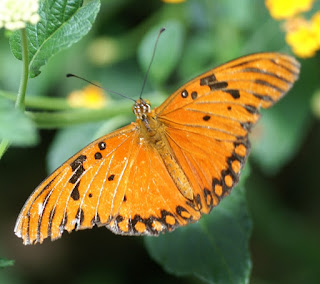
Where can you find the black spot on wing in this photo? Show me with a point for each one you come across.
(102, 145)
(162, 220)
(75, 195)
(118, 219)
(184, 213)
(77, 168)
(206, 117)
(184, 94)
(78, 162)
(97, 156)
(218, 86)
(209, 80)
(234, 93)
(132, 223)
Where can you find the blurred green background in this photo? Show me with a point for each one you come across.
(283, 187)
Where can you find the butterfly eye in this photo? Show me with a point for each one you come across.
(143, 117)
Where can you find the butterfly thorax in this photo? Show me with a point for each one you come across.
(150, 128)
(153, 133)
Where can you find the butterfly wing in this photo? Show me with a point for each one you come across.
(208, 119)
(118, 181)
(72, 196)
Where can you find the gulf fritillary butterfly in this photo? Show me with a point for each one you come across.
(172, 165)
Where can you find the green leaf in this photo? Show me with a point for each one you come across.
(168, 52)
(15, 126)
(214, 249)
(6, 262)
(62, 23)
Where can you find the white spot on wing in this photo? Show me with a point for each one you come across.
(76, 222)
(40, 208)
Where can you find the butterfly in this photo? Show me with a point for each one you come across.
(169, 167)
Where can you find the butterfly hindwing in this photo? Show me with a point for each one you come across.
(152, 203)
(212, 166)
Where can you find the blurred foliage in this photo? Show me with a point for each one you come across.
(5, 262)
(282, 188)
(22, 132)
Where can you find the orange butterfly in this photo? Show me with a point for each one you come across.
(172, 165)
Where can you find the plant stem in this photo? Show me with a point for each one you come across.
(25, 71)
(4, 145)
(49, 120)
(40, 102)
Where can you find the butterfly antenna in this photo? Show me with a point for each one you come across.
(153, 54)
(105, 89)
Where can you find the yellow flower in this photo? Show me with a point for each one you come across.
(304, 36)
(173, 1)
(283, 9)
(90, 97)
(302, 39)
(15, 14)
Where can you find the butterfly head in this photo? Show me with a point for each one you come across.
(141, 108)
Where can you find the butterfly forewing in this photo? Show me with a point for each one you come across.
(262, 79)
(208, 120)
(71, 197)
